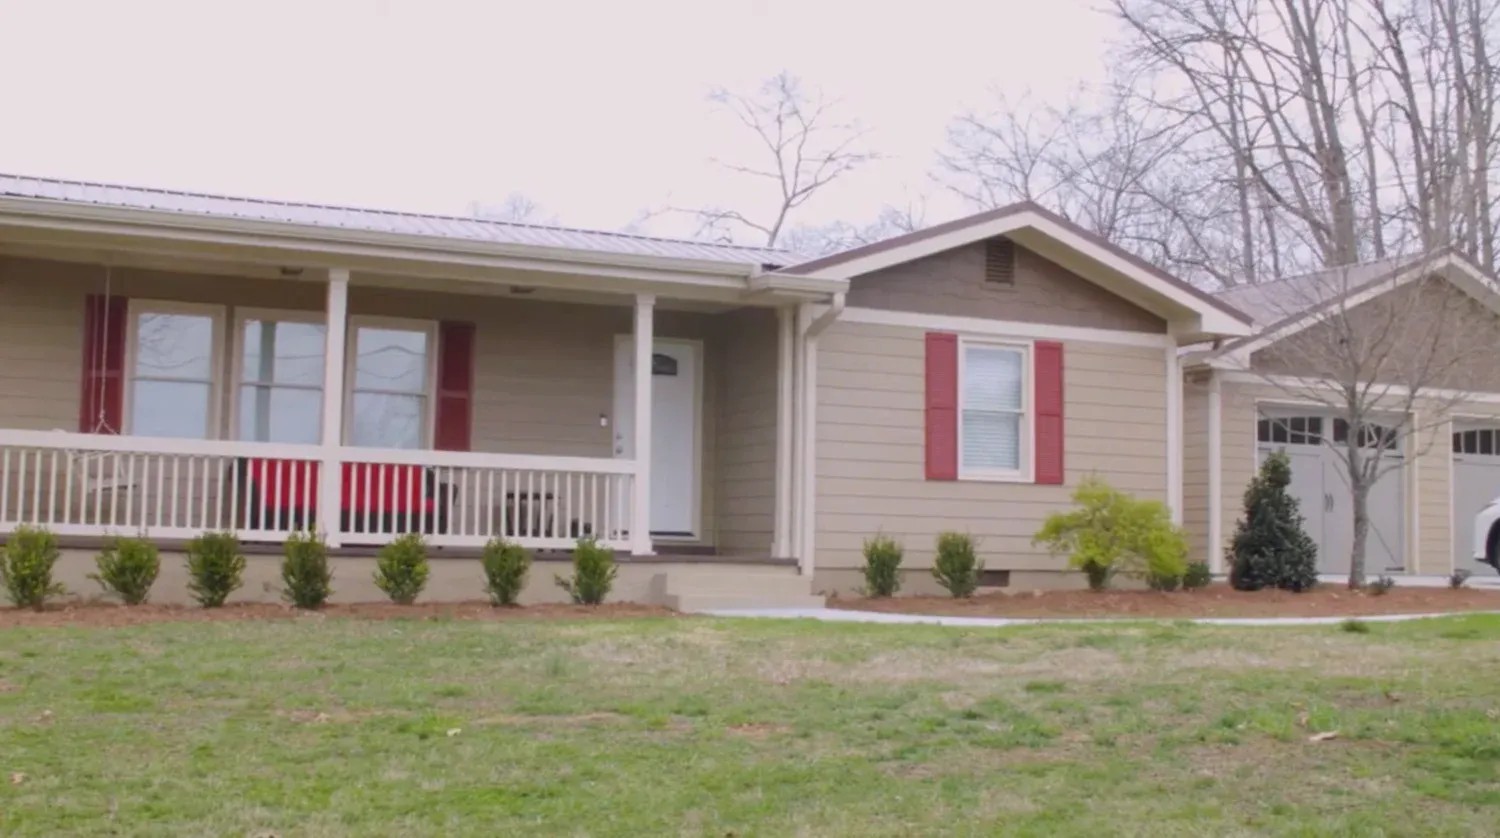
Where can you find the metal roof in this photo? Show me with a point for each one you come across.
(385, 221)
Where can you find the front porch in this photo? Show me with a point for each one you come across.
(230, 396)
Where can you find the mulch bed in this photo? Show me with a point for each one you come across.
(1214, 601)
(95, 614)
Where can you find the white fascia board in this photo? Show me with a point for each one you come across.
(998, 328)
(794, 285)
(131, 222)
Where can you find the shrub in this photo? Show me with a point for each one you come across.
(882, 566)
(593, 573)
(505, 569)
(304, 571)
(1197, 576)
(1459, 578)
(956, 567)
(401, 568)
(1381, 585)
(216, 568)
(127, 569)
(1354, 626)
(26, 567)
(1111, 532)
(1270, 548)
(1163, 581)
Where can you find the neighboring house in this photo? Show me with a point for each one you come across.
(1247, 397)
(173, 363)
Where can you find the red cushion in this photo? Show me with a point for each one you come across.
(293, 484)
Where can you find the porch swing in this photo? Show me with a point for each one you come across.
(98, 473)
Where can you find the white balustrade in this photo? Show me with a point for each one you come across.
(100, 485)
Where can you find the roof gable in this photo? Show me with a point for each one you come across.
(1287, 307)
(1191, 313)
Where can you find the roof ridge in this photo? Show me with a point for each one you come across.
(185, 193)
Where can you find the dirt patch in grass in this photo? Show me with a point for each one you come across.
(1213, 601)
(112, 615)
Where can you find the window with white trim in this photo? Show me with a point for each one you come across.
(173, 369)
(280, 374)
(993, 405)
(391, 372)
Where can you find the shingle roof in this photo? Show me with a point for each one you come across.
(386, 221)
(1270, 302)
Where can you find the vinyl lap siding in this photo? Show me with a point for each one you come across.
(1195, 504)
(747, 433)
(870, 462)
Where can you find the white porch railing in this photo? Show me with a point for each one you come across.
(100, 485)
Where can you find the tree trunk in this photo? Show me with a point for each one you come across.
(1359, 489)
(1361, 536)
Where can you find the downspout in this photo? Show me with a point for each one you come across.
(807, 431)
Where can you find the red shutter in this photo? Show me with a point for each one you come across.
(101, 406)
(455, 387)
(942, 406)
(1048, 357)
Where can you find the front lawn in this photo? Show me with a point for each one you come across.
(320, 726)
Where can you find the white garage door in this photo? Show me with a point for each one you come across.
(1320, 482)
(1476, 481)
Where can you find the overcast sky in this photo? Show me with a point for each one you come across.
(594, 109)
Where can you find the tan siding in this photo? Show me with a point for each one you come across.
(871, 457)
(953, 283)
(747, 432)
(1195, 484)
(1434, 481)
(544, 371)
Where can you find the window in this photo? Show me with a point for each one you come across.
(280, 374)
(993, 404)
(173, 360)
(392, 366)
(1291, 430)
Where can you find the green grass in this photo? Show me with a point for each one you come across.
(330, 727)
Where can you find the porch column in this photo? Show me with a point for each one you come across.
(640, 515)
(332, 437)
(781, 540)
(1174, 433)
(1215, 471)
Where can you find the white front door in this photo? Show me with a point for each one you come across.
(676, 379)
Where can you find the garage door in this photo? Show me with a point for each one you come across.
(1476, 481)
(1320, 482)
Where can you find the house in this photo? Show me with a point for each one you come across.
(1424, 330)
(174, 363)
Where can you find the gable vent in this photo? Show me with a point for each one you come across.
(999, 262)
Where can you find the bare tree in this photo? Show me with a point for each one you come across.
(1389, 355)
(842, 235)
(517, 208)
(805, 146)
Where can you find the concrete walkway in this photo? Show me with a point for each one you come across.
(840, 615)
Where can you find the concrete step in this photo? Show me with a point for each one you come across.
(703, 589)
(735, 584)
(698, 603)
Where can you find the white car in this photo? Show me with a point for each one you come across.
(1487, 535)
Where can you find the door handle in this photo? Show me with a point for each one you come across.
(1327, 501)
